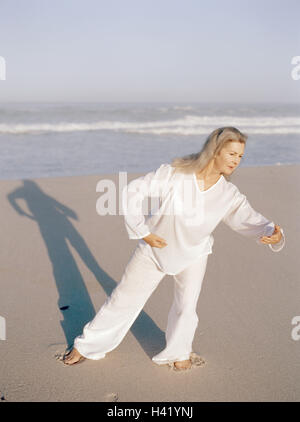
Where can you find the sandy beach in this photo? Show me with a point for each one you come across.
(60, 260)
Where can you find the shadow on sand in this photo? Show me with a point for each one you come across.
(53, 219)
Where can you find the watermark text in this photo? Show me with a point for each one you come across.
(2, 328)
(134, 198)
(296, 70)
(2, 69)
(296, 330)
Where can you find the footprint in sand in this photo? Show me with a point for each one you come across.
(111, 397)
(197, 360)
(59, 356)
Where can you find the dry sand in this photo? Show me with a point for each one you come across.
(58, 252)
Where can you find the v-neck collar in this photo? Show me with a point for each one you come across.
(212, 187)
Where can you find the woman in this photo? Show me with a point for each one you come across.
(194, 195)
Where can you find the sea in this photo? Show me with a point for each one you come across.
(71, 139)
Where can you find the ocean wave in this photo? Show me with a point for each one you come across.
(188, 125)
(203, 131)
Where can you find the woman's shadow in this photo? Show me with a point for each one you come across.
(53, 219)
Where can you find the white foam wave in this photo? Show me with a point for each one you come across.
(188, 125)
(204, 131)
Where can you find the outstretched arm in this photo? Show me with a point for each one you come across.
(242, 218)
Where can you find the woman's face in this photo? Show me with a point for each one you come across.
(229, 157)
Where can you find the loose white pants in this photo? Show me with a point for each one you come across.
(114, 319)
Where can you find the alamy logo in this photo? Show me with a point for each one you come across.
(296, 70)
(2, 69)
(131, 199)
(296, 330)
(2, 328)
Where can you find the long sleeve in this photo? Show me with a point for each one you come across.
(150, 185)
(243, 219)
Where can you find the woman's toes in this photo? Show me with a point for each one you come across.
(69, 358)
(184, 364)
(72, 357)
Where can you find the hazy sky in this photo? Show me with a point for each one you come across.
(149, 50)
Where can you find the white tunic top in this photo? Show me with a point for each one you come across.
(185, 216)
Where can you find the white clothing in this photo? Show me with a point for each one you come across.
(141, 277)
(185, 216)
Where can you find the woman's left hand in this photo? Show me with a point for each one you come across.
(275, 238)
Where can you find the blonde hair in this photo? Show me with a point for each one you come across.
(214, 143)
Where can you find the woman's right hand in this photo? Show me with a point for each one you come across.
(155, 241)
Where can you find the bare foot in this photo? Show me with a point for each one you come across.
(183, 364)
(73, 357)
